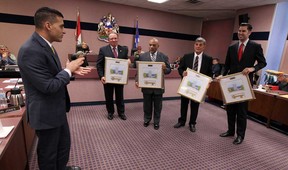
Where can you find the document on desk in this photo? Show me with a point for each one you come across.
(12, 86)
(5, 131)
(13, 80)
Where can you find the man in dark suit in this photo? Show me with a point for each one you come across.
(241, 57)
(112, 50)
(47, 98)
(153, 96)
(199, 62)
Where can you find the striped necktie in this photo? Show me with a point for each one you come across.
(195, 67)
(153, 57)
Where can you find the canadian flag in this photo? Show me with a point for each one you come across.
(78, 30)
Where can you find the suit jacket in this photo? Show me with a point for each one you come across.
(106, 51)
(47, 98)
(159, 58)
(252, 52)
(187, 62)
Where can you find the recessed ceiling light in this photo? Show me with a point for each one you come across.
(157, 1)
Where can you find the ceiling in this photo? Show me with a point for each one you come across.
(206, 9)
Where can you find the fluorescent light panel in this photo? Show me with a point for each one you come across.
(157, 1)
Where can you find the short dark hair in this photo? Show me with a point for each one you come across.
(45, 14)
(215, 58)
(249, 26)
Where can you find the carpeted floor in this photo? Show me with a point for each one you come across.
(102, 144)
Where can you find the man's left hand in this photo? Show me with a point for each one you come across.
(82, 71)
(248, 70)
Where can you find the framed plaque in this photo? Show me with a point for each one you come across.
(116, 70)
(194, 86)
(150, 74)
(236, 88)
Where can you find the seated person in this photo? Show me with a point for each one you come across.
(282, 82)
(216, 68)
(137, 54)
(78, 55)
(6, 58)
(177, 61)
(83, 47)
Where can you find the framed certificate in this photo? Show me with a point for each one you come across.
(194, 86)
(236, 88)
(150, 74)
(116, 70)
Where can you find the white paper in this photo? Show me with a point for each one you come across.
(13, 80)
(12, 86)
(5, 131)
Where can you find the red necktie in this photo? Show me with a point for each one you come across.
(115, 53)
(240, 52)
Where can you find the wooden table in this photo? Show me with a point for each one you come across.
(269, 105)
(21, 133)
(13, 153)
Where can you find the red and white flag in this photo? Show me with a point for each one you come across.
(78, 30)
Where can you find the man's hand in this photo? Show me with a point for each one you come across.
(184, 73)
(218, 78)
(103, 80)
(137, 84)
(75, 64)
(82, 71)
(164, 66)
(248, 70)
(4, 55)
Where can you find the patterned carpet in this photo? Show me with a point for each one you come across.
(101, 144)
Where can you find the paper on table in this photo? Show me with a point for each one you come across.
(13, 80)
(12, 86)
(5, 131)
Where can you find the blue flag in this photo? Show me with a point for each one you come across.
(136, 35)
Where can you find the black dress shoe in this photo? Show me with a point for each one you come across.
(122, 116)
(192, 128)
(226, 134)
(238, 140)
(146, 124)
(110, 116)
(73, 168)
(178, 125)
(156, 126)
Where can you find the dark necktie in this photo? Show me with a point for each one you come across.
(115, 53)
(240, 52)
(153, 57)
(195, 67)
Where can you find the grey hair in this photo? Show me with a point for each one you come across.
(201, 39)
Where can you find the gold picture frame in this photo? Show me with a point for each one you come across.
(150, 74)
(194, 86)
(116, 70)
(236, 88)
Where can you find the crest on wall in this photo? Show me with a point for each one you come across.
(106, 26)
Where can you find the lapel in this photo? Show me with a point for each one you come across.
(109, 52)
(235, 49)
(56, 59)
(49, 51)
(244, 54)
(192, 61)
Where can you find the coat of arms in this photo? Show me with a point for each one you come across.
(106, 26)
